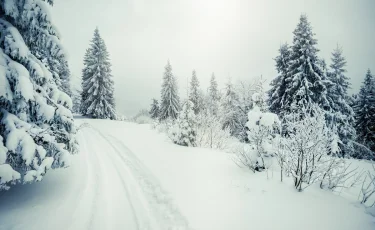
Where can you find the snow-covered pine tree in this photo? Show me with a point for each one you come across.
(279, 85)
(48, 51)
(37, 129)
(305, 77)
(97, 82)
(183, 132)
(342, 114)
(195, 95)
(364, 112)
(154, 111)
(229, 111)
(170, 101)
(214, 96)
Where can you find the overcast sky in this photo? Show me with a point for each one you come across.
(236, 38)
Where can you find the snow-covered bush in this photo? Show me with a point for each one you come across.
(339, 174)
(308, 144)
(121, 117)
(367, 192)
(142, 117)
(183, 132)
(36, 124)
(263, 134)
(210, 133)
(143, 120)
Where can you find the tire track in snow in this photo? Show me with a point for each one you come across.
(86, 197)
(152, 198)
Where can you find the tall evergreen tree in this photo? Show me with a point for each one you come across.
(342, 114)
(279, 85)
(170, 101)
(213, 95)
(195, 95)
(97, 83)
(229, 110)
(305, 77)
(365, 112)
(154, 111)
(37, 129)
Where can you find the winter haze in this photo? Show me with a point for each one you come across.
(236, 38)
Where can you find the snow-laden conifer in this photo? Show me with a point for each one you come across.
(229, 112)
(170, 101)
(279, 85)
(364, 112)
(97, 83)
(37, 130)
(183, 132)
(305, 77)
(213, 96)
(195, 95)
(341, 115)
(154, 111)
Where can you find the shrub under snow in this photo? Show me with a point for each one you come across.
(263, 134)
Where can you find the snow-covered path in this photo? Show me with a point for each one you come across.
(128, 176)
(108, 188)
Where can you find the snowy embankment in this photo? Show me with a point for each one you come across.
(128, 176)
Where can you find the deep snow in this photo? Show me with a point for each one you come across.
(128, 176)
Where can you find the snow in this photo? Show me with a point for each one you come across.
(129, 176)
(19, 137)
(8, 174)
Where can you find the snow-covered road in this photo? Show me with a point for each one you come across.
(128, 176)
(107, 187)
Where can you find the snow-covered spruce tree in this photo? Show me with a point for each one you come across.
(305, 77)
(341, 115)
(97, 82)
(170, 101)
(154, 111)
(37, 129)
(183, 132)
(364, 113)
(46, 48)
(279, 85)
(229, 110)
(213, 96)
(195, 95)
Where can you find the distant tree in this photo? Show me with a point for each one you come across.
(170, 101)
(341, 115)
(229, 111)
(213, 95)
(195, 95)
(279, 85)
(97, 82)
(364, 112)
(77, 100)
(154, 111)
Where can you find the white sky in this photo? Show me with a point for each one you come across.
(236, 38)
